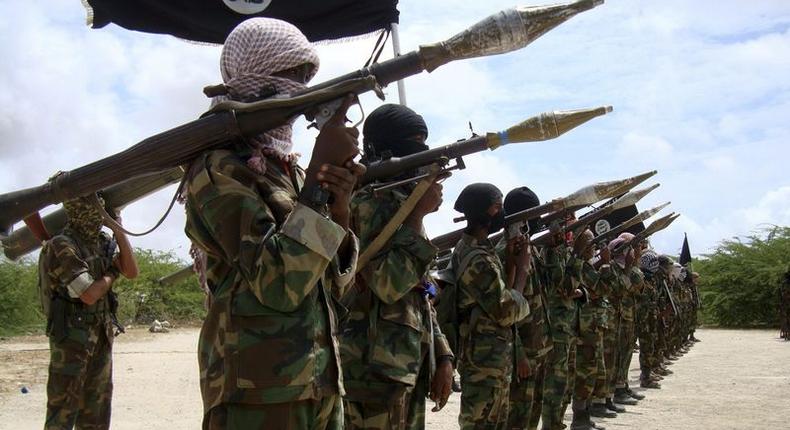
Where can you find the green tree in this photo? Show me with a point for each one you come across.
(739, 281)
(141, 300)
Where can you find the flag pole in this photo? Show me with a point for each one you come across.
(396, 53)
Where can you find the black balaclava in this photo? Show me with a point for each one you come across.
(474, 202)
(520, 199)
(391, 128)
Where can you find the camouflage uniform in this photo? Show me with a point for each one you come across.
(79, 388)
(268, 345)
(605, 389)
(386, 338)
(487, 314)
(632, 280)
(647, 326)
(592, 319)
(564, 271)
(526, 395)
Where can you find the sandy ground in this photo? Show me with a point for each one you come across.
(733, 379)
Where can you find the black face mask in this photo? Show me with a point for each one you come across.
(497, 222)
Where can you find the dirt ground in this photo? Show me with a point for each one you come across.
(733, 379)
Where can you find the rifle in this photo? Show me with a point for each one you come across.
(180, 275)
(583, 197)
(503, 32)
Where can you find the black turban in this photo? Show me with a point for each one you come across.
(392, 128)
(520, 199)
(475, 200)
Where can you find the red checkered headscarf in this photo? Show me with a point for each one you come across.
(253, 51)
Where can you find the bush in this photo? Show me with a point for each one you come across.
(141, 300)
(739, 282)
(20, 307)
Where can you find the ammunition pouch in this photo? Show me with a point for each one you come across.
(57, 325)
(66, 314)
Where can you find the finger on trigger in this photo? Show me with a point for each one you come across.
(340, 114)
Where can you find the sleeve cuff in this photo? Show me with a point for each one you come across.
(344, 275)
(314, 231)
(79, 285)
(415, 244)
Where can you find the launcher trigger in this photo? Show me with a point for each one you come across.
(325, 112)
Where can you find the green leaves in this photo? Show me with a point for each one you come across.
(740, 281)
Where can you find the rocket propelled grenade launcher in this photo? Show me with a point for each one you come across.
(636, 219)
(632, 197)
(616, 189)
(653, 228)
(116, 197)
(503, 32)
(585, 196)
(546, 126)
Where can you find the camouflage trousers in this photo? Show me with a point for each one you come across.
(625, 345)
(79, 388)
(571, 377)
(310, 414)
(557, 381)
(589, 364)
(604, 384)
(646, 332)
(483, 407)
(526, 397)
(389, 415)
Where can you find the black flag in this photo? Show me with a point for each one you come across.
(616, 218)
(212, 20)
(685, 252)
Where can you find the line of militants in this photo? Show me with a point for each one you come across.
(300, 334)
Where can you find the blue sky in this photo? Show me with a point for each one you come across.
(700, 92)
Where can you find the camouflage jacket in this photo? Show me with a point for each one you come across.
(67, 267)
(272, 267)
(533, 331)
(597, 282)
(563, 276)
(632, 280)
(647, 302)
(487, 312)
(386, 338)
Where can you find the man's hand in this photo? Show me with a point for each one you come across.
(581, 243)
(428, 203)
(441, 386)
(340, 182)
(629, 258)
(523, 370)
(606, 255)
(335, 146)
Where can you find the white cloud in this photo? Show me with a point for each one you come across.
(700, 91)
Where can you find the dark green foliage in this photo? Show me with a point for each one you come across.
(142, 299)
(20, 308)
(740, 281)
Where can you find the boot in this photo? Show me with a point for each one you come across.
(610, 405)
(456, 386)
(599, 410)
(621, 397)
(634, 395)
(656, 377)
(645, 381)
(581, 417)
(694, 339)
